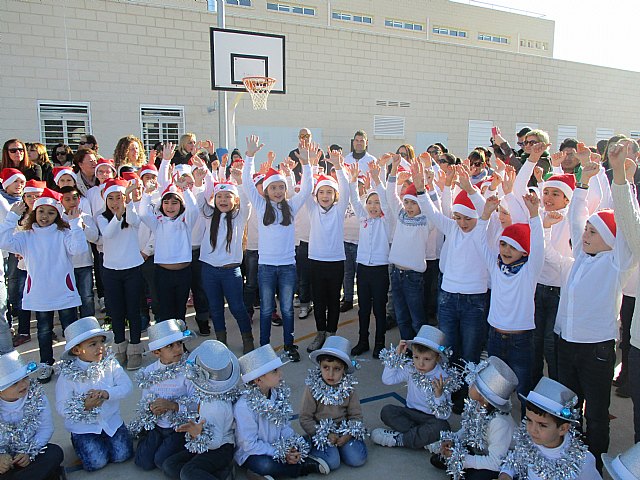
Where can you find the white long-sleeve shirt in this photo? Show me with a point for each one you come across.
(375, 233)
(13, 412)
(120, 245)
(498, 439)
(91, 233)
(218, 415)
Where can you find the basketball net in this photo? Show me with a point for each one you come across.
(259, 89)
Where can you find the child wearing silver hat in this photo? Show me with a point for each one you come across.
(26, 424)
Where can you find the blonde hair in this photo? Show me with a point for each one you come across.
(539, 134)
(184, 139)
(120, 153)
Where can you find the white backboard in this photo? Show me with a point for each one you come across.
(236, 54)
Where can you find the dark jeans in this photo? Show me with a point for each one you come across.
(272, 278)
(16, 279)
(326, 281)
(408, 293)
(173, 292)
(626, 314)
(545, 342)
(587, 369)
(84, 282)
(97, 449)
(122, 291)
(418, 428)
(303, 270)
(44, 467)
(462, 318)
(351, 252)
(430, 300)
(148, 271)
(373, 285)
(45, 330)
(250, 291)
(156, 445)
(97, 270)
(634, 383)
(473, 474)
(210, 465)
(200, 302)
(220, 283)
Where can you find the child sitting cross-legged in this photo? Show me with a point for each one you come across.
(547, 444)
(88, 394)
(166, 394)
(26, 424)
(430, 382)
(477, 450)
(331, 411)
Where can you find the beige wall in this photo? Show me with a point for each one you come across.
(118, 55)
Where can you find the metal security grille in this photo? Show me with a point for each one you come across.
(63, 122)
(388, 126)
(160, 123)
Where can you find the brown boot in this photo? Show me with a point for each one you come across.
(134, 356)
(247, 342)
(221, 336)
(120, 352)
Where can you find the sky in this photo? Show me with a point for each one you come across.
(598, 32)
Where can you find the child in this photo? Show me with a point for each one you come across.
(331, 413)
(26, 425)
(430, 383)
(477, 450)
(165, 396)
(215, 372)
(625, 465)
(266, 443)
(276, 261)
(547, 445)
(66, 177)
(47, 244)
(88, 395)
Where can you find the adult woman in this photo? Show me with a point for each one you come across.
(61, 155)
(130, 151)
(89, 142)
(84, 164)
(478, 168)
(189, 147)
(38, 156)
(14, 155)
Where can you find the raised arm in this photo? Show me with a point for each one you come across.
(253, 147)
(627, 214)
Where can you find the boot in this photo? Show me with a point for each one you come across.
(120, 352)
(317, 342)
(221, 336)
(247, 342)
(361, 347)
(202, 319)
(134, 356)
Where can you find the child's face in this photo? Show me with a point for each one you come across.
(91, 350)
(115, 201)
(553, 199)
(171, 207)
(425, 361)
(15, 391)
(411, 207)
(465, 223)
(509, 254)
(332, 371)
(66, 181)
(16, 187)
(147, 178)
(544, 431)
(70, 200)
(374, 208)
(46, 215)
(276, 191)
(592, 242)
(30, 198)
(170, 353)
(225, 201)
(474, 394)
(269, 380)
(326, 196)
(104, 173)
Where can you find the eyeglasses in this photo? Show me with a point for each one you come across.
(304, 135)
(403, 154)
(61, 154)
(14, 150)
(530, 142)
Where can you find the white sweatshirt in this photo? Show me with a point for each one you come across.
(120, 245)
(375, 235)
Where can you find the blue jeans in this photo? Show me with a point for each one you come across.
(408, 297)
(45, 330)
(545, 342)
(517, 351)
(353, 454)
(462, 317)
(6, 344)
(250, 291)
(282, 278)
(266, 465)
(95, 450)
(84, 283)
(156, 445)
(351, 251)
(122, 293)
(220, 283)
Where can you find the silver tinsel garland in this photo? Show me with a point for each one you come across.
(391, 359)
(200, 444)
(285, 445)
(146, 420)
(330, 394)
(327, 426)
(16, 438)
(455, 463)
(527, 455)
(277, 410)
(75, 411)
(166, 372)
(229, 396)
(73, 372)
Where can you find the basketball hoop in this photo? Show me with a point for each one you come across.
(259, 89)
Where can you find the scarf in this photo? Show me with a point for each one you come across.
(513, 268)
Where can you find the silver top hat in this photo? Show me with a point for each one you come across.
(625, 466)
(81, 330)
(554, 398)
(496, 382)
(13, 369)
(216, 367)
(258, 362)
(338, 347)
(431, 338)
(165, 333)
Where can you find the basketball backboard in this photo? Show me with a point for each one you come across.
(236, 54)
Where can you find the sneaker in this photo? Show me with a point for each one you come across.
(346, 306)
(296, 302)
(385, 437)
(305, 310)
(276, 320)
(292, 351)
(361, 347)
(317, 342)
(314, 465)
(45, 374)
(21, 340)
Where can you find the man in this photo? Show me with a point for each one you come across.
(359, 154)
(305, 135)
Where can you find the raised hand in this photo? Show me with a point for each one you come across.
(168, 151)
(496, 180)
(285, 167)
(417, 171)
(491, 205)
(253, 145)
(73, 213)
(353, 172)
(538, 172)
(508, 180)
(532, 202)
(465, 179)
(264, 168)
(374, 172)
(425, 158)
(589, 170)
(551, 218)
(557, 158)
(402, 347)
(451, 176)
(19, 208)
(498, 138)
(308, 152)
(236, 175)
(438, 386)
(441, 179)
(208, 144)
(537, 150)
(617, 155)
(500, 165)
(596, 157)
(429, 176)
(225, 159)
(384, 159)
(583, 154)
(271, 156)
(199, 174)
(335, 158)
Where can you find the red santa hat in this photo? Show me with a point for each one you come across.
(10, 175)
(173, 189)
(149, 168)
(105, 162)
(131, 177)
(464, 206)
(271, 176)
(605, 223)
(115, 185)
(34, 186)
(257, 178)
(361, 178)
(58, 172)
(326, 181)
(49, 197)
(566, 183)
(225, 187)
(401, 169)
(518, 235)
(410, 193)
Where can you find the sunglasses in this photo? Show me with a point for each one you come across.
(520, 144)
(14, 150)
(403, 155)
(433, 152)
(530, 142)
(61, 154)
(84, 143)
(304, 135)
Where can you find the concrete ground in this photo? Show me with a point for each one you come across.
(382, 462)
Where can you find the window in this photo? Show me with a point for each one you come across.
(566, 131)
(349, 17)
(485, 37)
(281, 7)
(240, 3)
(635, 134)
(63, 122)
(604, 134)
(536, 44)
(388, 126)
(416, 27)
(452, 32)
(161, 124)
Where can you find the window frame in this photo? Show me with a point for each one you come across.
(287, 8)
(342, 17)
(162, 121)
(65, 117)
